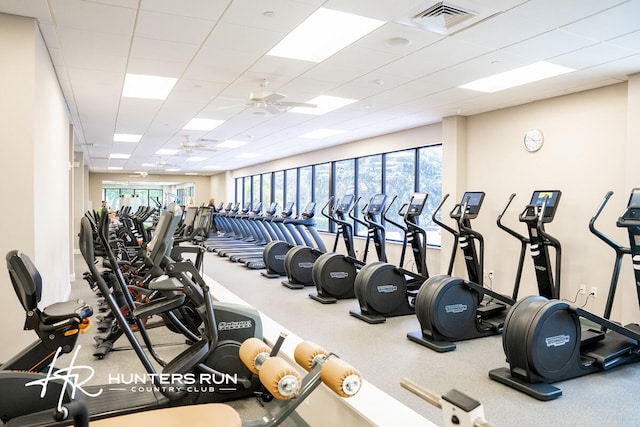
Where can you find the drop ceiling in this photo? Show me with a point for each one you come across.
(403, 75)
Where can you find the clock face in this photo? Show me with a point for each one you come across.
(533, 140)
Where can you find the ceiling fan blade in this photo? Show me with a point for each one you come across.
(297, 104)
(273, 97)
(272, 109)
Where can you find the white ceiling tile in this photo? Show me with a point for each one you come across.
(34, 9)
(203, 9)
(592, 56)
(629, 41)
(93, 17)
(155, 68)
(272, 15)
(548, 45)
(609, 23)
(79, 41)
(173, 28)
(162, 50)
(242, 38)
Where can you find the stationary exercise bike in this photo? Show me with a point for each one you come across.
(334, 273)
(57, 327)
(213, 356)
(453, 309)
(385, 290)
(543, 339)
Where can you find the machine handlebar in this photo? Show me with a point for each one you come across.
(592, 226)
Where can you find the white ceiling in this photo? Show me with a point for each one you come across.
(217, 50)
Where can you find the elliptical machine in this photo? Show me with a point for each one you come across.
(543, 340)
(540, 211)
(385, 290)
(333, 273)
(452, 309)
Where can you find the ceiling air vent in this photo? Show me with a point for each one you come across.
(443, 15)
(447, 18)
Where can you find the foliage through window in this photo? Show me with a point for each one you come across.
(397, 174)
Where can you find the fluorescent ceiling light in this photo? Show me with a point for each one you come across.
(321, 133)
(119, 156)
(322, 34)
(325, 103)
(520, 76)
(212, 167)
(167, 152)
(203, 124)
(196, 159)
(147, 87)
(191, 173)
(126, 137)
(231, 144)
(148, 165)
(248, 155)
(114, 168)
(172, 170)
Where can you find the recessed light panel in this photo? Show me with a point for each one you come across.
(126, 137)
(520, 76)
(322, 34)
(203, 124)
(325, 103)
(119, 156)
(147, 87)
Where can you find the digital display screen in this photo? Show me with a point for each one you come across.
(634, 199)
(345, 203)
(417, 203)
(538, 197)
(288, 207)
(377, 203)
(311, 206)
(473, 199)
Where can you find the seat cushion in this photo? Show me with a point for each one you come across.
(60, 311)
(206, 415)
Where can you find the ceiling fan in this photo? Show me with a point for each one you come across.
(272, 102)
(188, 146)
(139, 174)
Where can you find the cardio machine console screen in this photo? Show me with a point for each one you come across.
(552, 196)
(288, 208)
(418, 200)
(633, 207)
(377, 203)
(473, 199)
(310, 209)
(345, 203)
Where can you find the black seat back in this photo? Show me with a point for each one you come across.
(25, 278)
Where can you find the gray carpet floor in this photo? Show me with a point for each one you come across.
(384, 355)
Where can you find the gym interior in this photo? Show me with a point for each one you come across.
(586, 127)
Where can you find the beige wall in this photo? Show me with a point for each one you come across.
(34, 142)
(583, 156)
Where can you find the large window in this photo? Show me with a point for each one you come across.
(369, 181)
(291, 188)
(430, 181)
(400, 175)
(321, 188)
(397, 174)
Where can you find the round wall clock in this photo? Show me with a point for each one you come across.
(533, 140)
